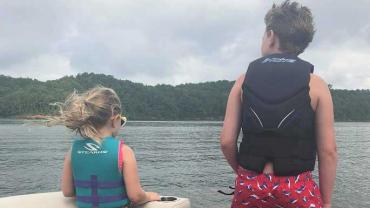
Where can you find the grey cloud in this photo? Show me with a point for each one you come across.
(28, 29)
(163, 41)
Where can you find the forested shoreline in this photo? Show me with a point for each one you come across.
(201, 101)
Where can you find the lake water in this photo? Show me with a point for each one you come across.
(174, 158)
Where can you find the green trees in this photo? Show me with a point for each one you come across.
(351, 105)
(203, 101)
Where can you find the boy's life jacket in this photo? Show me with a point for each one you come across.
(277, 117)
(97, 174)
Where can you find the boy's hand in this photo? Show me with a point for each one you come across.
(326, 206)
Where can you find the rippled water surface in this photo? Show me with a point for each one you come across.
(175, 158)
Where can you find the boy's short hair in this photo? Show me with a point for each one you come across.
(293, 24)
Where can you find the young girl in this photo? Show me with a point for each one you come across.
(99, 170)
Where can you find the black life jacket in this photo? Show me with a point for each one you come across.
(277, 117)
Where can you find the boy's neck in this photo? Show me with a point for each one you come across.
(273, 51)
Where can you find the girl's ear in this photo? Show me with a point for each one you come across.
(114, 121)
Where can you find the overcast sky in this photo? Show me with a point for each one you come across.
(172, 41)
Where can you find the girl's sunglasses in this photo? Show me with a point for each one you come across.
(123, 120)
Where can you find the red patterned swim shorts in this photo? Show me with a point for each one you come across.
(269, 191)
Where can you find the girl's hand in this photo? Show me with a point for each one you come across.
(153, 196)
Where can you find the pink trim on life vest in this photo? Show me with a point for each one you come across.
(120, 157)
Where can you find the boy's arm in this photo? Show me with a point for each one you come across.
(232, 124)
(325, 138)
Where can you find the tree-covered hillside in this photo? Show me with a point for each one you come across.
(203, 101)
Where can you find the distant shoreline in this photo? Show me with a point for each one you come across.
(30, 99)
(44, 117)
(38, 117)
(30, 117)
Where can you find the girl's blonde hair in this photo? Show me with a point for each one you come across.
(84, 113)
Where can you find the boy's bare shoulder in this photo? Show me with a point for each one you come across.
(318, 85)
(318, 81)
(240, 79)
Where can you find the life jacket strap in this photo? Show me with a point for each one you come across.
(120, 157)
(100, 185)
(94, 185)
(100, 199)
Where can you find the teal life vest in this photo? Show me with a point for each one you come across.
(98, 180)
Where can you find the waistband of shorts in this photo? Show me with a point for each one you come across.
(305, 176)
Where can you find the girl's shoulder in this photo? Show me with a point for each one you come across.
(127, 152)
(126, 148)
